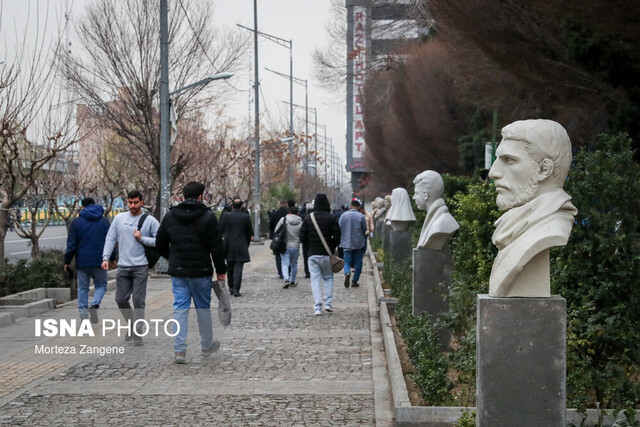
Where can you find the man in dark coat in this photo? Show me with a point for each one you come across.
(235, 227)
(319, 262)
(189, 238)
(86, 238)
(273, 221)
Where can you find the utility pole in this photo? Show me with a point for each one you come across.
(256, 194)
(288, 44)
(165, 147)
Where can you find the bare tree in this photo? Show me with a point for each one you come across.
(41, 195)
(120, 60)
(32, 132)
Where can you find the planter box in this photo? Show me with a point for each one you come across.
(441, 416)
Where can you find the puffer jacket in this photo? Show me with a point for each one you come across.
(328, 225)
(182, 236)
(86, 238)
(294, 223)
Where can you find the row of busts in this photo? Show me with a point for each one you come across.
(395, 210)
(531, 166)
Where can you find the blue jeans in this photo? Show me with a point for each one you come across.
(198, 289)
(320, 269)
(353, 259)
(99, 277)
(290, 258)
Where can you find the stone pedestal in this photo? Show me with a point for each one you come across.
(431, 277)
(378, 229)
(521, 361)
(386, 238)
(400, 246)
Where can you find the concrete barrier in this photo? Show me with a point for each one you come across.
(6, 319)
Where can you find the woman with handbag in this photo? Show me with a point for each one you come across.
(320, 231)
(292, 222)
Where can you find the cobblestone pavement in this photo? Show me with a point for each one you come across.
(278, 364)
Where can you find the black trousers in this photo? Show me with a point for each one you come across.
(305, 256)
(234, 275)
(279, 264)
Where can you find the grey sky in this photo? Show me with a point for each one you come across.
(303, 21)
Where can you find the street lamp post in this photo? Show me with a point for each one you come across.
(288, 44)
(315, 137)
(165, 139)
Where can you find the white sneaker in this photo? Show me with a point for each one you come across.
(328, 308)
(318, 313)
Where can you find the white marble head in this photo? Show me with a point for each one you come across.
(429, 187)
(387, 201)
(439, 226)
(533, 157)
(401, 213)
(379, 201)
(532, 162)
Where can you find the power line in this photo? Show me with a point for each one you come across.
(197, 36)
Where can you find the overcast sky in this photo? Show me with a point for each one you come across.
(302, 21)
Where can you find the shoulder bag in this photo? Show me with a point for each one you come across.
(337, 263)
(149, 251)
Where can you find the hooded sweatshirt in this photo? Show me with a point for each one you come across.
(86, 238)
(189, 238)
(294, 223)
(328, 225)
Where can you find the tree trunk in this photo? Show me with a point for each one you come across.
(34, 238)
(35, 246)
(4, 226)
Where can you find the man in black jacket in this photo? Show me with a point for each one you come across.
(236, 228)
(273, 221)
(189, 238)
(319, 262)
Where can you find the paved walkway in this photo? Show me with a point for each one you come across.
(278, 364)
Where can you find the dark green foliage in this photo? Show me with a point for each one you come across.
(597, 272)
(473, 254)
(421, 338)
(43, 272)
(376, 243)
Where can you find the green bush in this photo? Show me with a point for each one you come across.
(43, 272)
(597, 272)
(420, 336)
(473, 255)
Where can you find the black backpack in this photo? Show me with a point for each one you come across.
(149, 251)
(279, 242)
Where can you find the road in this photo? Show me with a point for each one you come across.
(54, 237)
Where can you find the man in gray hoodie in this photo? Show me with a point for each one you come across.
(290, 257)
(133, 267)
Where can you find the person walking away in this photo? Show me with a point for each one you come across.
(370, 226)
(273, 221)
(319, 262)
(353, 241)
(236, 229)
(87, 234)
(305, 248)
(133, 267)
(189, 238)
(290, 257)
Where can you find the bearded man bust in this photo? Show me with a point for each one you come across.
(532, 163)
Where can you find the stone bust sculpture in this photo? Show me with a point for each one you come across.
(532, 163)
(381, 210)
(439, 225)
(388, 201)
(400, 214)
